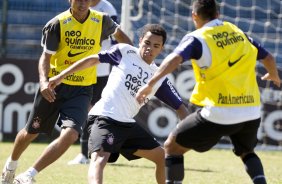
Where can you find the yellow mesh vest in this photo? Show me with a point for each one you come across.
(231, 79)
(78, 40)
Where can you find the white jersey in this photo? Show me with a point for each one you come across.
(104, 6)
(128, 74)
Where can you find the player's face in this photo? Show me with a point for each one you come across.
(150, 46)
(80, 7)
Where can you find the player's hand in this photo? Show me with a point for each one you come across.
(54, 81)
(47, 93)
(274, 78)
(142, 93)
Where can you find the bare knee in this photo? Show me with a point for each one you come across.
(172, 147)
(24, 135)
(155, 155)
(159, 156)
(169, 144)
(69, 134)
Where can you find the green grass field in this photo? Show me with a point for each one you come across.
(213, 167)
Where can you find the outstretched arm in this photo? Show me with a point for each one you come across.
(182, 112)
(121, 37)
(79, 65)
(270, 65)
(170, 63)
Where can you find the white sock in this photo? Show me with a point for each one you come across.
(11, 164)
(32, 172)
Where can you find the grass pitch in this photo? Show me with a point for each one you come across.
(213, 167)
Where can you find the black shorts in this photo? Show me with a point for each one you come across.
(70, 109)
(118, 137)
(98, 88)
(196, 133)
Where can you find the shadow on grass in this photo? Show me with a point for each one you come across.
(150, 167)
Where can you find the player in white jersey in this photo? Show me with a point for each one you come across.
(113, 130)
(103, 71)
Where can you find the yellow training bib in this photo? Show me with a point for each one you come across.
(231, 78)
(78, 40)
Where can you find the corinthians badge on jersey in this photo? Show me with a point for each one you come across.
(36, 123)
(110, 138)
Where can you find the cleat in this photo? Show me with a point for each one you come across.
(23, 178)
(7, 176)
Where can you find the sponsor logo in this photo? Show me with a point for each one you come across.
(173, 90)
(75, 40)
(67, 62)
(75, 78)
(74, 54)
(66, 21)
(133, 84)
(229, 99)
(231, 63)
(224, 39)
(130, 52)
(95, 20)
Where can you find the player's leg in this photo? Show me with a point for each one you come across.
(244, 142)
(38, 118)
(22, 141)
(73, 113)
(140, 144)
(53, 151)
(194, 132)
(98, 162)
(84, 141)
(174, 160)
(105, 140)
(56, 148)
(82, 157)
(155, 155)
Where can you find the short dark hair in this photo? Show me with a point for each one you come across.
(156, 29)
(206, 9)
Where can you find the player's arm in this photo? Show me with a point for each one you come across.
(182, 111)
(121, 37)
(272, 72)
(77, 66)
(188, 48)
(50, 42)
(170, 63)
(268, 61)
(112, 56)
(169, 95)
(43, 70)
(112, 28)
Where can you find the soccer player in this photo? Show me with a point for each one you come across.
(103, 71)
(68, 37)
(113, 130)
(224, 61)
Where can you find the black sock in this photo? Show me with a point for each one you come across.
(254, 168)
(84, 148)
(84, 142)
(174, 169)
